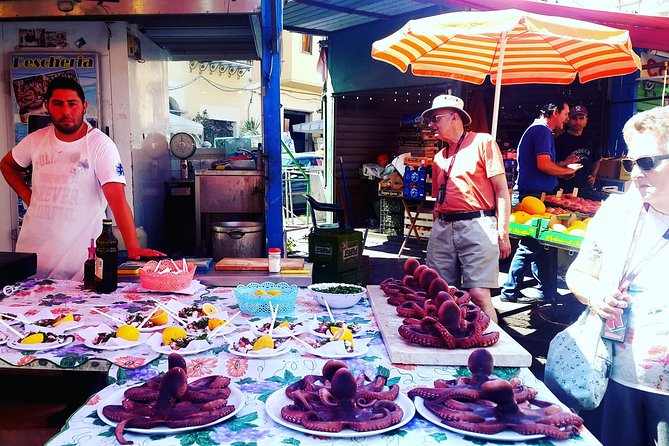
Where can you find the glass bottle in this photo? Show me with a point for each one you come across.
(106, 260)
(89, 268)
(274, 260)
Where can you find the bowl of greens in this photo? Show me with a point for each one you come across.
(338, 295)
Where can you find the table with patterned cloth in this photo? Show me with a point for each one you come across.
(259, 379)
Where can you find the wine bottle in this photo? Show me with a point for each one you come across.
(106, 260)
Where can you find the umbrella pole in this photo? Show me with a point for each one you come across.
(664, 84)
(498, 84)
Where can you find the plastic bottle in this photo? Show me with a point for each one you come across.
(106, 260)
(89, 268)
(274, 260)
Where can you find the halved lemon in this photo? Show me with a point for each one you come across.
(264, 341)
(209, 309)
(284, 324)
(213, 323)
(173, 334)
(127, 332)
(259, 292)
(159, 317)
(68, 318)
(35, 338)
(274, 292)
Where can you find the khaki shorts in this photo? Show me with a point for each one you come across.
(465, 253)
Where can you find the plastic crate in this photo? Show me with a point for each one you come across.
(391, 217)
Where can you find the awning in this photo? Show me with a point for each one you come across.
(309, 127)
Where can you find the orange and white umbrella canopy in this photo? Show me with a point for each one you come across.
(523, 47)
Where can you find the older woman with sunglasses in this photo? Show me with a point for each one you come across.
(621, 274)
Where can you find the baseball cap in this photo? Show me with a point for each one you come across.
(448, 101)
(578, 110)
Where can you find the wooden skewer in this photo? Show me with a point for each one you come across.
(109, 316)
(147, 318)
(12, 329)
(275, 313)
(170, 311)
(292, 336)
(15, 318)
(227, 322)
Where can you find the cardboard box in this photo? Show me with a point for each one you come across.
(612, 168)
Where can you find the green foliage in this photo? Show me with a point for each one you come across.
(250, 127)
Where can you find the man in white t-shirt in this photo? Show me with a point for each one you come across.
(77, 170)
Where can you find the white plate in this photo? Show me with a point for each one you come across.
(3, 338)
(236, 398)
(65, 326)
(166, 349)
(506, 435)
(336, 350)
(278, 399)
(128, 344)
(259, 354)
(314, 323)
(276, 333)
(40, 347)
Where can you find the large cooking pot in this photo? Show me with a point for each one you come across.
(237, 239)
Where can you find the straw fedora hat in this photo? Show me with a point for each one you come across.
(448, 101)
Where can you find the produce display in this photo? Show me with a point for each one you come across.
(170, 400)
(490, 405)
(336, 400)
(436, 314)
(574, 204)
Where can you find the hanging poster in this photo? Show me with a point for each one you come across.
(30, 74)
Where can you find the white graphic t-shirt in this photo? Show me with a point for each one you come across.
(67, 204)
(642, 361)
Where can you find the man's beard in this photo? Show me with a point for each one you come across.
(70, 129)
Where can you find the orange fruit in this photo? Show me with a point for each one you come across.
(532, 205)
(173, 334)
(520, 217)
(159, 317)
(264, 341)
(35, 338)
(127, 332)
(213, 323)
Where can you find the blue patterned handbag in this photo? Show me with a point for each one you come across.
(578, 363)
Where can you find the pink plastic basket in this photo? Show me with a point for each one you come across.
(154, 277)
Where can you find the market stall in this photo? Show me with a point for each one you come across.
(260, 377)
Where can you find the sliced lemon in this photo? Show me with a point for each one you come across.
(173, 334)
(68, 318)
(127, 332)
(259, 292)
(274, 292)
(264, 341)
(213, 323)
(35, 338)
(342, 334)
(284, 324)
(209, 309)
(159, 317)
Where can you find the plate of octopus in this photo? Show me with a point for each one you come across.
(249, 346)
(50, 341)
(278, 400)
(505, 435)
(235, 399)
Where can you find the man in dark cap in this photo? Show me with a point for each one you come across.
(575, 146)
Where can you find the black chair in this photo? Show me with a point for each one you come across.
(326, 207)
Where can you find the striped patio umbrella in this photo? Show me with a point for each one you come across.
(512, 45)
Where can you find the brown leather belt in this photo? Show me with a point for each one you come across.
(457, 216)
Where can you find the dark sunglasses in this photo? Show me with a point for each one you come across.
(644, 162)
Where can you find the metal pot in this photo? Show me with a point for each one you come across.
(237, 239)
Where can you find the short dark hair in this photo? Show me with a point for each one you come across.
(552, 106)
(64, 83)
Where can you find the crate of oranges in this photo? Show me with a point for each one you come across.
(254, 298)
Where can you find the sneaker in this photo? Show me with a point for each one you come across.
(528, 300)
(508, 299)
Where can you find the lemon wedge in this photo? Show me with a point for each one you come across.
(264, 341)
(127, 332)
(342, 334)
(159, 317)
(213, 323)
(274, 292)
(284, 324)
(173, 334)
(259, 292)
(68, 318)
(35, 338)
(209, 309)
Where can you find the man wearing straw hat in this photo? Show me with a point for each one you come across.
(471, 215)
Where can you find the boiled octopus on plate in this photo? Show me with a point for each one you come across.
(468, 388)
(497, 405)
(169, 400)
(336, 400)
(436, 314)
